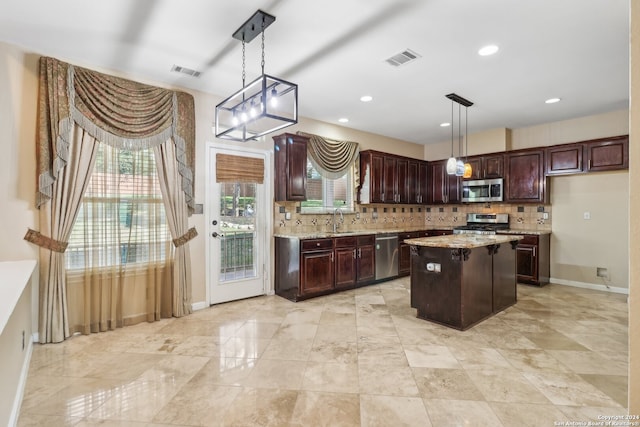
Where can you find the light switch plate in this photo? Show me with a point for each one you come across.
(287, 215)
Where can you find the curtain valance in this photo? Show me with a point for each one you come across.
(329, 157)
(116, 111)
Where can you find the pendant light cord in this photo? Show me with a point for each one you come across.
(451, 128)
(262, 63)
(459, 134)
(466, 133)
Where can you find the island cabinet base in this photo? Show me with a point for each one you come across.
(461, 287)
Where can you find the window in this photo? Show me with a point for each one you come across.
(324, 194)
(121, 219)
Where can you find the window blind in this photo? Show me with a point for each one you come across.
(231, 168)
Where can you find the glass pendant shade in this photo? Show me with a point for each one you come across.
(451, 165)
(459, 167)
(467, 170)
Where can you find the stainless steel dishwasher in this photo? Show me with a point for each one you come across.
(386, 256)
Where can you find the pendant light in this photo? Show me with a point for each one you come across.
(263, 106)
(468, 171)
(457, 166)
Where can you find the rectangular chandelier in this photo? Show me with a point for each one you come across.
(265, 105)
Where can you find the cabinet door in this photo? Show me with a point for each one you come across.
(525, 177)
(390, 180)
(316, 272)
(437, 175)
(608, 154)
(404, 253)
(454, 188)
(345, 264)
(493, 166)
(526, 262)
(290, 160)
(422, 184)
(564, 160)
(476, 168)
(413, 182)
(366, 263)
(377, 178)
(402, 181)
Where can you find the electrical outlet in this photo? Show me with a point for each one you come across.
(545, 215)
(602, 272)
(287, 215)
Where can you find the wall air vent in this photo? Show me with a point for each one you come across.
(402, 58)
(184, 70)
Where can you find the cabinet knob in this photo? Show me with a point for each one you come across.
(317, 244)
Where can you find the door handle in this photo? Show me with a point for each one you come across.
(359, 252)
(215, 234)
(354, 254)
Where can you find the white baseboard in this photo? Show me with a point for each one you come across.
(35, 337)
(593, 286)
(200, 305)
(17, 400)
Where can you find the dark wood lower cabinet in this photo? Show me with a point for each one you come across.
(316, 271)
(533, 259)
(306, 268)
(404, 252)
(472, 284)
(366, 259)
(346, 253)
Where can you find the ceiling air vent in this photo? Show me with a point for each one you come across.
(184, 70)
(402, 58)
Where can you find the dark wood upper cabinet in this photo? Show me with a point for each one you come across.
(525, 179)
(476, 168)
(372, 170)
(486, 166)
(402, 181)
(445, 188)
(422, 185)
(290, 161)
(607, 154)
(390, 180)
(493, 166)
(564, 159)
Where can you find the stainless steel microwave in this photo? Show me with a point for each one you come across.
(482, 190)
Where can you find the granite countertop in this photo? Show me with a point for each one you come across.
(462, 241)
(329, 234)
(535, 232)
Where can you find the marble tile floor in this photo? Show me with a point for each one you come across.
(358, 358)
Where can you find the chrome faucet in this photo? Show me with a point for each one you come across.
(335, 224)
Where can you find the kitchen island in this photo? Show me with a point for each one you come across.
(461, 279)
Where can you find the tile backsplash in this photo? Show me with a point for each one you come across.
(393, 217)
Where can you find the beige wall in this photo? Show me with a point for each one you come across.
(18, 86)
(634, 212)
(578, 246)
(489, 141)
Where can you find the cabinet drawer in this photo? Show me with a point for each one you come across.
(345, 242)
(408, 235)
(529, 239)
(316, 244)
(369, 239)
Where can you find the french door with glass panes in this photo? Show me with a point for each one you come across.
(237, 226)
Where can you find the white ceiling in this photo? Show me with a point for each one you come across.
(335, 50)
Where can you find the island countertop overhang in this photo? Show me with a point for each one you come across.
(463, 241)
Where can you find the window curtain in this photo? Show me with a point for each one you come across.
(75, 104)
(119, 259)
(331, 158)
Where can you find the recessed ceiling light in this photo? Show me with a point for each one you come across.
(552, 100)
(488, 50)
(343, 120)
(445, 124)
(366, 98)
